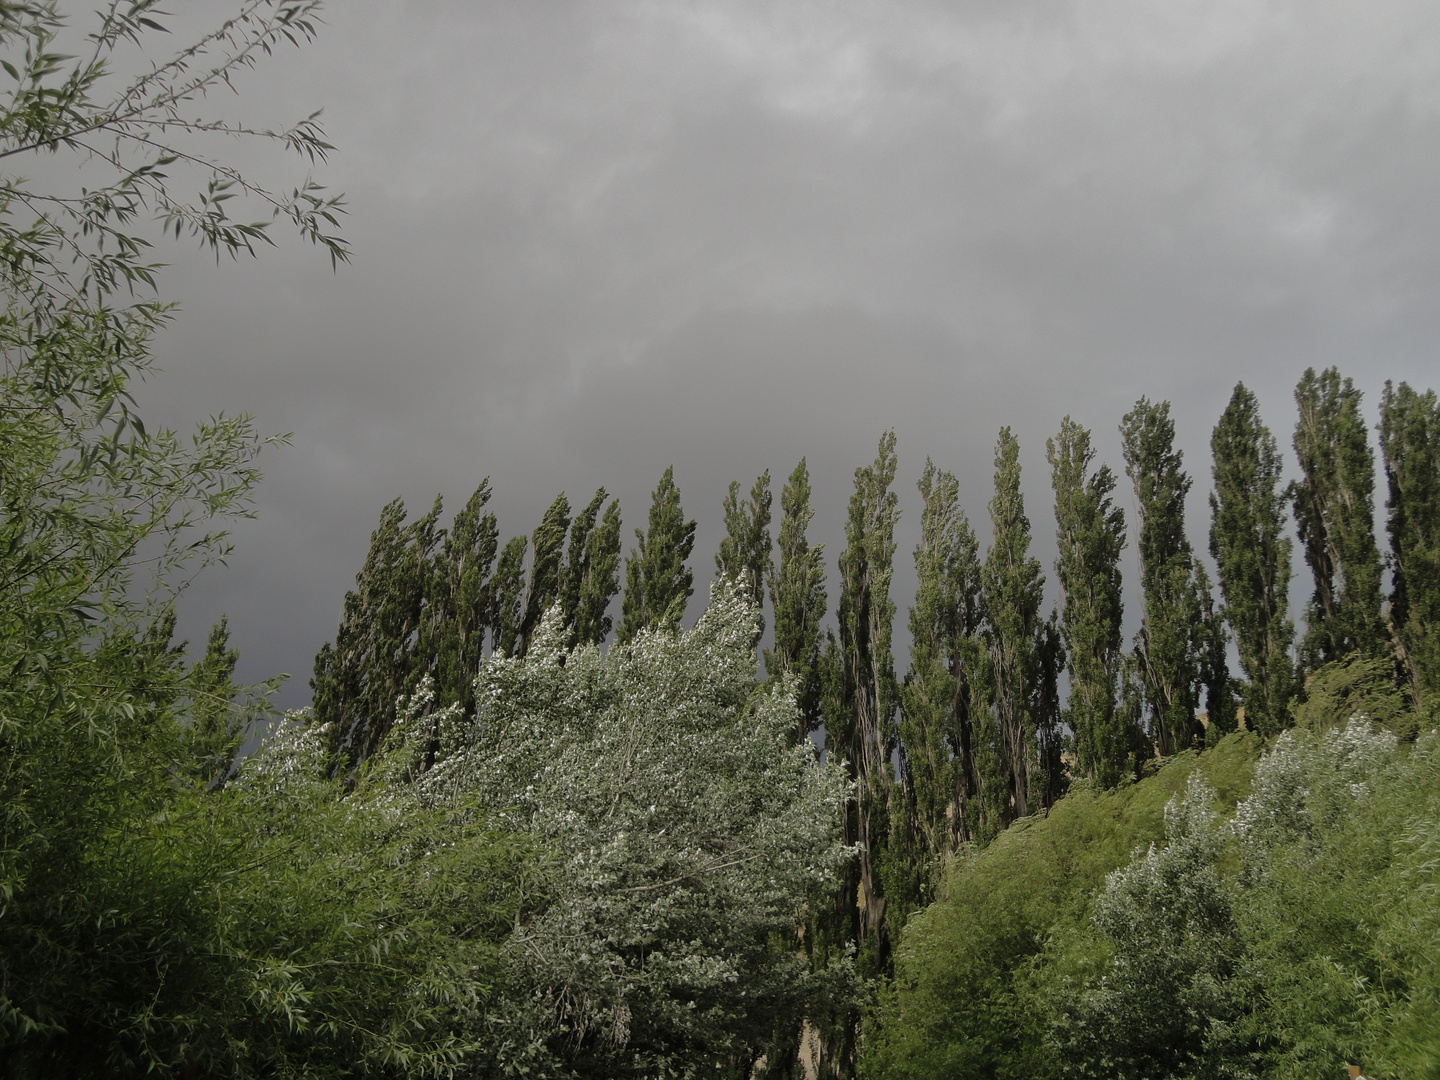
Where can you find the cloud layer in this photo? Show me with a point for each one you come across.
(593, 239)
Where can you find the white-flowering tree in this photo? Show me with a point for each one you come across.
(688, 835)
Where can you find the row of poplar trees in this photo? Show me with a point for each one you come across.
(975, 734)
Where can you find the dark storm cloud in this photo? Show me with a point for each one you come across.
(593, 239)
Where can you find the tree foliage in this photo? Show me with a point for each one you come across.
(1410, 445)
(1025, 656)
(745, 553)
(689, 833)
(1248, 544)
(1090, 533)
(944, 693)
(862, 723)
(1166, 648)
(797, 597)
(1334, 515)
(658, 578)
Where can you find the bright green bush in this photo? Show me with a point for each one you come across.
(966, 998)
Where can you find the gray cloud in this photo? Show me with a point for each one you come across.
(593, 239)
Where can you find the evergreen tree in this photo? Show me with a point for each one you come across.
(1252, 554)
(592, 571)
(457, 602)
(1410, 443)
(745, 552)
(1334, 514)
(865, 735)
(1025, 653)
(945, 685)
(797, 596)
(1167, 647)
(507, 597)
(1090, 533)
(658, 583)
(547, 550)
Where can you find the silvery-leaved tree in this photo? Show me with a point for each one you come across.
(689, 834)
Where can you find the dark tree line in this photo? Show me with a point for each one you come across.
(973, 735)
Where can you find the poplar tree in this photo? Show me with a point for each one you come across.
(1090, 534)
(592, 571)
(1024, 653)
(1210, 647)
(945, 684)
(1166, 647)
(658, 581)
(547, 550)
(507, 597)
(1252, 555)
(745, 553)
(797, 596)
(358, 680)
(457, 608)
(1410, 443)
(217, 721)
(1334, 515)
(866, 729)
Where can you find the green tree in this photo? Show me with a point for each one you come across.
(507, 598)
(745, 552)
(945, 686)
(457, 612)
(1211, 645)
(547, 551)
(797, 596)
(105, 870)
(592, 571)
(690, 834)
(1166, 647)
(1410, 443)
(1025, 654)
(865, 736)
(658, 581)
(376, 659)
(219, 716)
(1252, 554)
(1090, 533)
(1334, 514)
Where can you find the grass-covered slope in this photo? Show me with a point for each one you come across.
(1285, 922)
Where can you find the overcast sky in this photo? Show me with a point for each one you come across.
(596, 238)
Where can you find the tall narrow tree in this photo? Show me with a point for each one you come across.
(547, 550)
(1090, 534)
(797, 596)
(944, 686)
(358, 680)
(1023, 649)
(1252, 554)
(1211, 643)
(591, 577)
(867, 735)
(217, 721)
(658, 579)
(457, 605)
(599, 580)
(1334, 514)
(1410, 442)
(507, 597)
(745, 553)
(1167, 647)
